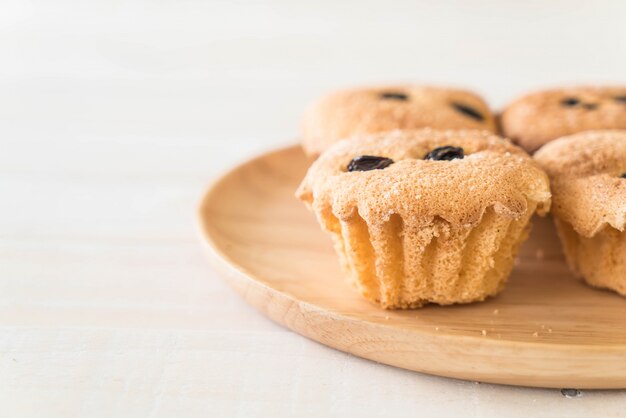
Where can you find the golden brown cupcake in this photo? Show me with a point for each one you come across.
(378, 109)
(588, 177)
(538, 118)
(426, 216)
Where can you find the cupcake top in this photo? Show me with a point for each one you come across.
(588, 177)
(423, 174)
(377, 109)
(538, 118)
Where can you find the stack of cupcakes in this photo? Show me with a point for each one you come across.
(427, 204)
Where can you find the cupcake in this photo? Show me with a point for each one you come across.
(538, 118)
(426, 216)
(378, 109)
(588, 177)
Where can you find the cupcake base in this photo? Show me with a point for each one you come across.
(600, 260)
(399, 265)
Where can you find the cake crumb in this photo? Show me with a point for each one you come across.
(550, 330)
(535, 334)
(387, 317)
(436, 328)
(496, 311)
(571, 393)
(484, 332)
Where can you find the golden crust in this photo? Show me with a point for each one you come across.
(535, 119)
(361, 111)
(585, 171)
(423, 231)
(493, 173)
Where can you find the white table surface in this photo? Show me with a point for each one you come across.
(114, 115)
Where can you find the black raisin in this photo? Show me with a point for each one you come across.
(369, 162)
(392, 95)
(446, 153)
(468, 111)
(623, 176)
(570, 101)
(621, 99)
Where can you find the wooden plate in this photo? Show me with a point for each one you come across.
(545, 329)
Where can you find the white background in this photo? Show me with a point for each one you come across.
(113, 117)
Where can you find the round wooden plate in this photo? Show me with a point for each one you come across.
(545, 329)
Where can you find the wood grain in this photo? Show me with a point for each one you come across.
(546, 329)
